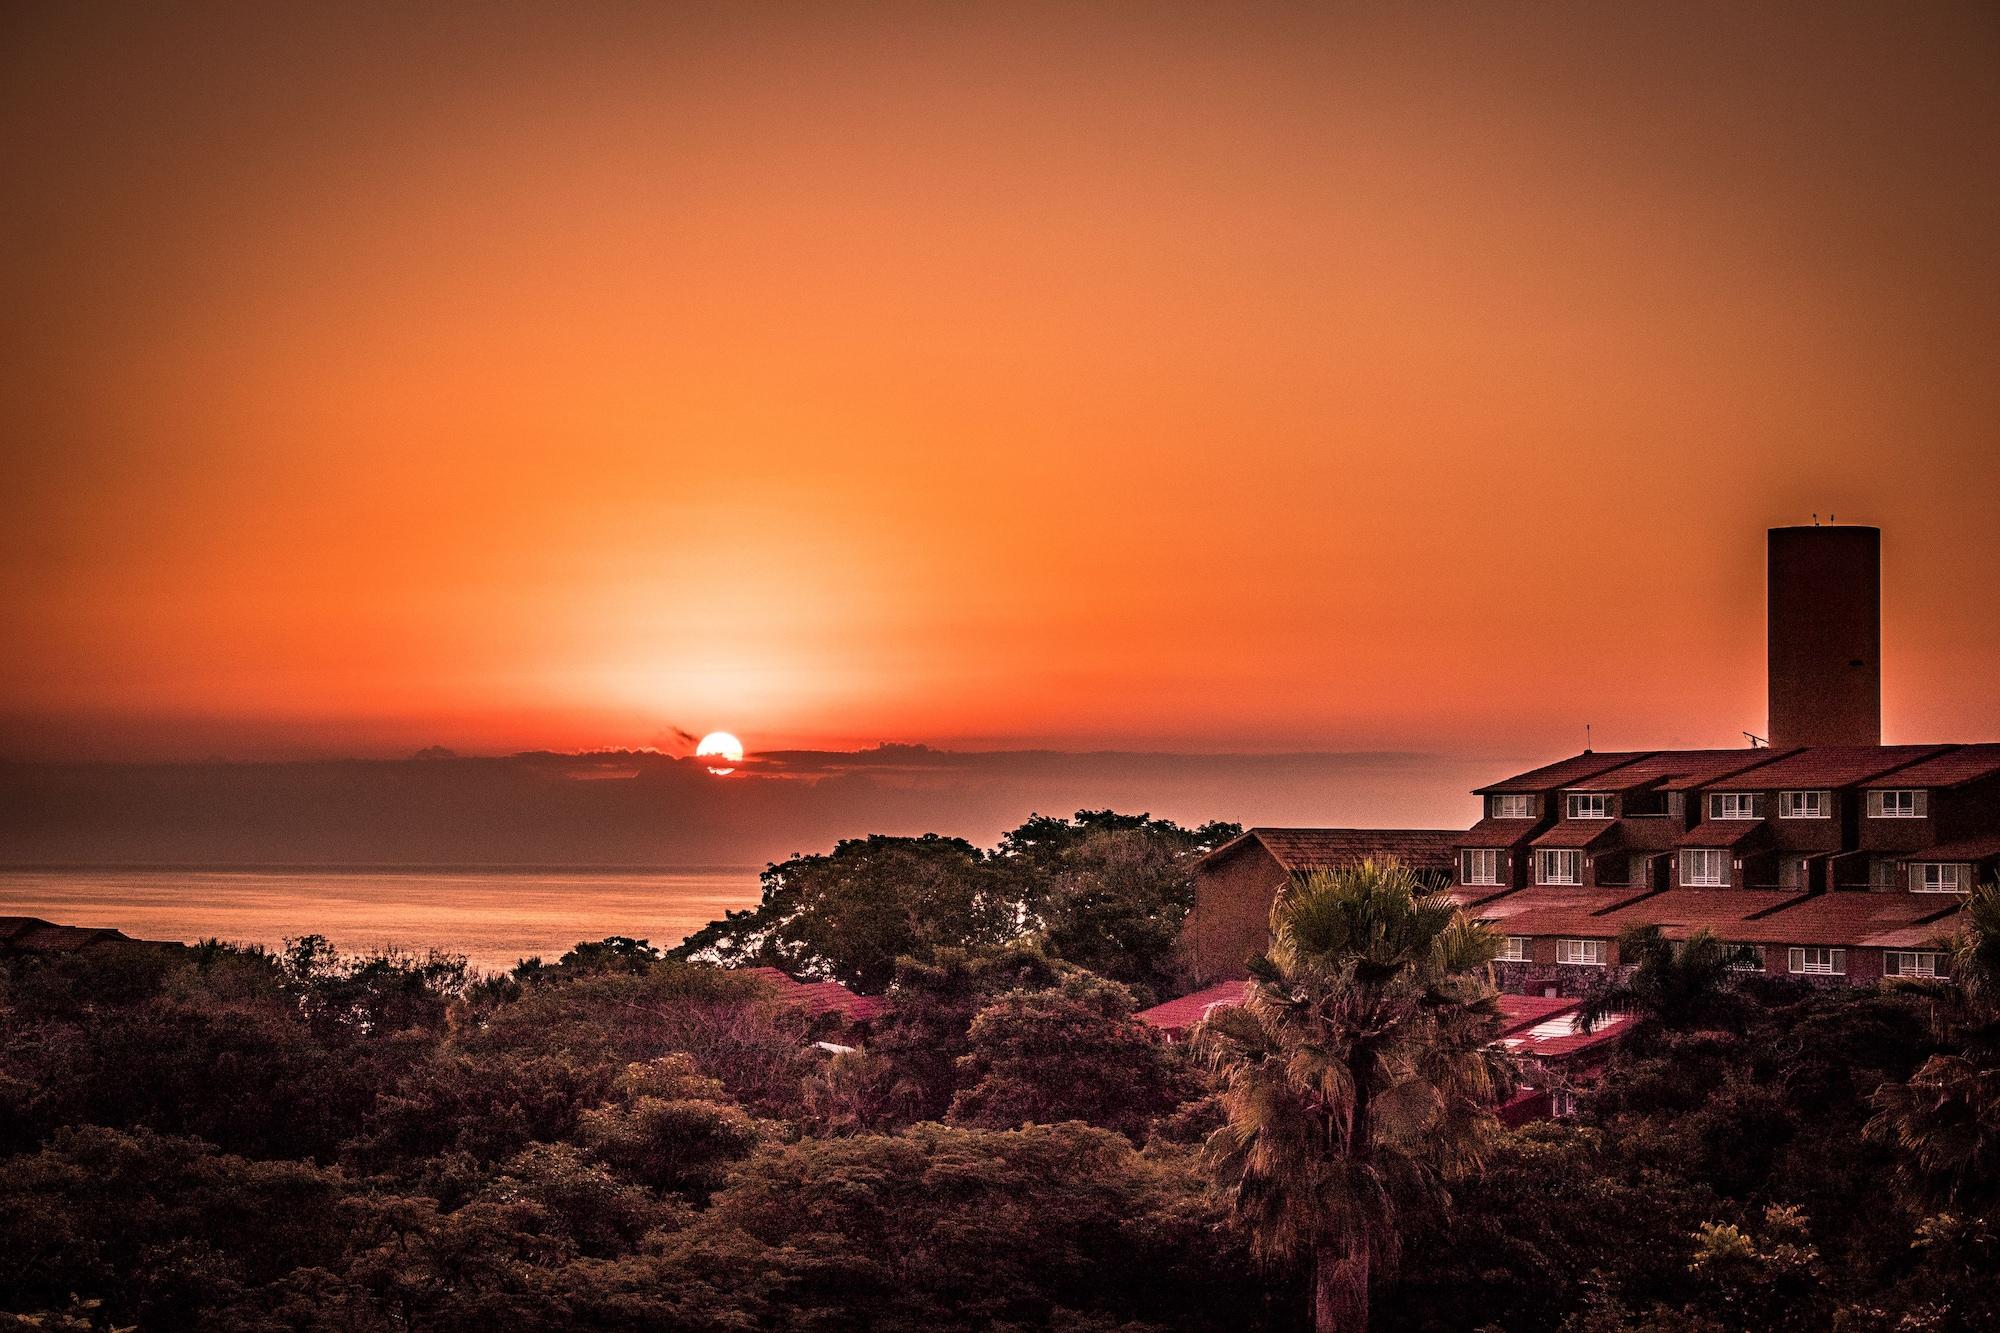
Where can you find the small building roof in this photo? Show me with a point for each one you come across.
(1562, 773)
(1560, 1039)
(1954, 767)
(1552, 910)
(1179, 1015)
(1679, 913)
(820, 997)
(1518, 1012)
(1327, 848)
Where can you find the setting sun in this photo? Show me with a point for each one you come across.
(723, 746)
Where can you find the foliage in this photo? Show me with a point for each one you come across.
(1359, 1073)
(1068, 1052)
(1670, 986)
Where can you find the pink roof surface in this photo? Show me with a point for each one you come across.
(1182, 1014)
(820, 997)
(1681, 912)
(1538, 902)
(1964, 849)
(1570, 1043)
(1723, 833)
(1518, 1012)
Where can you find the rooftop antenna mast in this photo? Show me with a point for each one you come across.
(1586, 738)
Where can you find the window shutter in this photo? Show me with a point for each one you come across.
(1923, 806)
(1795, 959)
(1874, 805)
(1839, 957)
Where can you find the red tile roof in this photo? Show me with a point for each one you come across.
(1552, 910)
(1182, 1014)
(1326, 848)
(820, 997)
(1678, 770)
(1553, 777)
(1578, 833)
(1959, 764)
(1497, 833)
(1861, 920)
(1681, 912)
(1724, 833)
(1833, 766)
(1964, 849)
(1571, 1044)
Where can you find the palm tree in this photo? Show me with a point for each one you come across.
(1946, 1120)
(1668, 985)
(1358, 1074)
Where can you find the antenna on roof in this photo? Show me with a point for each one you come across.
(1815, 518)
(1756, 742)
(1586, 738)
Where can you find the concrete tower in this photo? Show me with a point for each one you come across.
(1825, 623)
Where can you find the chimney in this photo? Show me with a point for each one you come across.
(1825, 624)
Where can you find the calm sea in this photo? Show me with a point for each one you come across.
(494, 917)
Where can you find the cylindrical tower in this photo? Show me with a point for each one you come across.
(1825, 625)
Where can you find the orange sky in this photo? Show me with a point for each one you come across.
(1207, 378)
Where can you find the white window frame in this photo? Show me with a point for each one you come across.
(1706, 879)
(1581, 953)
(1901, 803)
(1516, 949)
(1912, 963)
(1735, 805)
(1930, 877)
(1588, 805)
(1816, 961)
(1558, 856)
(1794, 805)
(1753, 953)
(1511, 807)
(1479, 865)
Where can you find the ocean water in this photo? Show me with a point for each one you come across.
(493, 916)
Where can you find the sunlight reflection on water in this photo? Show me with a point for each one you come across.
(494, 917)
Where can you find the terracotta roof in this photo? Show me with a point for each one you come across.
(1577, 833)
(1957, 765)
(1553, 777)
(1834, 766)
(1860, 920)
(1678, 770)
(820, 997)
(1182, 1014)
(1964, 849)
(1325, 848)
(1497, 833)
(1553, 910)
(1723, 833)
(1681, 912)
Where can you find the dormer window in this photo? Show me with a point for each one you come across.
(1897, 805)
(1559, 867)
(1805, 804)
(1510, 807)
(1704, 867)
(1736, 805)
(1479, 866)
(1589, 805)
(1937, 877)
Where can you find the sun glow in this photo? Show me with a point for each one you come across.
(722, 745)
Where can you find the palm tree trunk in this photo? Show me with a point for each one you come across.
(1340, 1286)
